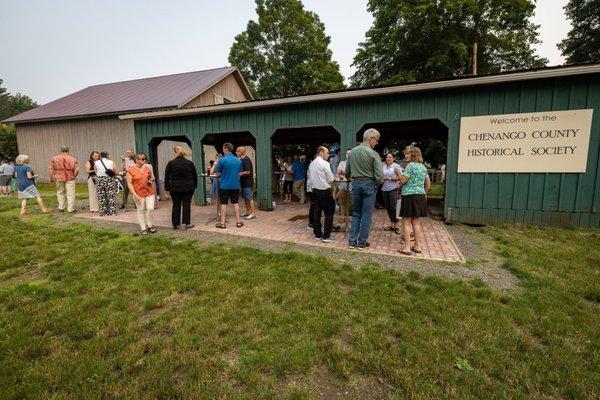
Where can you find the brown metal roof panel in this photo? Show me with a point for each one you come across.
(138, 94)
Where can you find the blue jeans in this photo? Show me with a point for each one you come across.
(364, 192)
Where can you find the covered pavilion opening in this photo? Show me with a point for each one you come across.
(212, 148)
(161, 152)
(431, 136)
(303, 142)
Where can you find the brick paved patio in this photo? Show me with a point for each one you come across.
(288, 223)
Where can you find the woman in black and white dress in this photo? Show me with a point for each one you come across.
(106, 184)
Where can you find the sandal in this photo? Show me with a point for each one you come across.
(220, 225)
(152, 229)
(406, 253)
(418, 251)
(239, 224)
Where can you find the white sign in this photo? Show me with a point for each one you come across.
(553, 141)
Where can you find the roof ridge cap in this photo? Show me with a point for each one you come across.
(158, 76)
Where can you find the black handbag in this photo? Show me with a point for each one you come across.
(109, 172)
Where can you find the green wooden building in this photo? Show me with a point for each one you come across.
(555, 196)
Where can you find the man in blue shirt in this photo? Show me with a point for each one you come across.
(228, 170)
(299, 178)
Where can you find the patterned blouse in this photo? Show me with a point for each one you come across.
(416, 173)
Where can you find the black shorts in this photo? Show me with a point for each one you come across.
(413, 206)
(225, 195)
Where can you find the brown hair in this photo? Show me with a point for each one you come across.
(415, 153)
(91, 161)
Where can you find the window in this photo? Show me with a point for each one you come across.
(222, 100)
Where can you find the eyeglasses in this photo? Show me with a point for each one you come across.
(142, 158)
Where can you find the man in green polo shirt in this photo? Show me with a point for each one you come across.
(364, 169)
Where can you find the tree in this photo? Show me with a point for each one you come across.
(421, 40)
(583, 40)
(11, 105)
(8, 141)
(286, 52)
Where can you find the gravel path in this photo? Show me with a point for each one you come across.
(482, 261)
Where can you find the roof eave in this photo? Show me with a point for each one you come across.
(84, 116)
(369, 92)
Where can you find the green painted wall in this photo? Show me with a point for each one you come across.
(486, 198)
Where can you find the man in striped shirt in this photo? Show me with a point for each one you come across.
(63, 170)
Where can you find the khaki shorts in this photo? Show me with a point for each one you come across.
(345, 201)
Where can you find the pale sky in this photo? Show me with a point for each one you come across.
(51, 48)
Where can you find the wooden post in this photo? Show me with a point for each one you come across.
(474, 59)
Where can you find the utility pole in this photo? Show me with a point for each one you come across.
(474, 60)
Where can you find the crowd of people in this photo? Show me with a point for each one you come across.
(328, 183)
(104, 178)
(353, 184)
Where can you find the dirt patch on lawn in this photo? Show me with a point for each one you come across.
(320, 383)
(173, 301)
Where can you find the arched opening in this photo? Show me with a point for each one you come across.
(212, 146)
(431, 136)
(288, 144)
(161, 151)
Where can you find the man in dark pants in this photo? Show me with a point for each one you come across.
(321, 177)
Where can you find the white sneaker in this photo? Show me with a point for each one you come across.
(328, 240)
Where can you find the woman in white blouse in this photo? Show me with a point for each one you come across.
(106, 172)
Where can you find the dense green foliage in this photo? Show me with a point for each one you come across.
(583, 40)
(161, 317)
(429, 39)
(286, 52)
(11, 105)
(8, 141)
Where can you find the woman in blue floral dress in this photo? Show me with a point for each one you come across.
(415, 185)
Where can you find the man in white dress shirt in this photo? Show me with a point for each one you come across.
(321, 177)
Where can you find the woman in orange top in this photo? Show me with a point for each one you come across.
(140, 181)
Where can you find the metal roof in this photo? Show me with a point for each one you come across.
(170, 91)
(457, 82)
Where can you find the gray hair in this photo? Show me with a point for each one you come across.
(371, 133)
(21, 159)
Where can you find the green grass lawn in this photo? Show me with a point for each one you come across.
(437, 189)
(94, 313)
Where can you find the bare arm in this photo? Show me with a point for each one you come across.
(427, 184)
(50, 173)
(404, 178)
(129, 180)
(76, 169)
